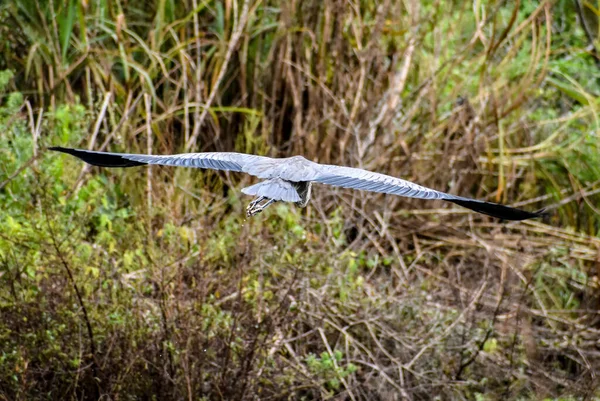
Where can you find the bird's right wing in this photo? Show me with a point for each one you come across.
(355, 178)
(215, 160)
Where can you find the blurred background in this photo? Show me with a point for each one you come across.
(151, 284)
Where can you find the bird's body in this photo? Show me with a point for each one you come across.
(290, 179)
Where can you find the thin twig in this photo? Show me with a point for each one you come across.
(86, 318)
(92, 141)
(237, 33)
(437, 339)
(18, 171)
(335, 365)
(99, 120)
(147, 101)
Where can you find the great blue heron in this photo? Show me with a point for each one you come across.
(290, 179)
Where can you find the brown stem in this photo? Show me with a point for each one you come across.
(86, 318)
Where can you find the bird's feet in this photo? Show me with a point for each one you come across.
(258, 205)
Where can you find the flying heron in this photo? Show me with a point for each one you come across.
(290, 179)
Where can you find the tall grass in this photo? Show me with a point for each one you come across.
(141, 284)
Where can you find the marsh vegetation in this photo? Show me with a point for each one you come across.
(150, 283)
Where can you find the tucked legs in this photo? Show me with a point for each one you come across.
(259, 204)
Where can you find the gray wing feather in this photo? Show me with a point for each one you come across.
(355, 178)
(215, 160)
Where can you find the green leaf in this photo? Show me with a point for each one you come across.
(65, 27)
(569, 90)
(5, 77)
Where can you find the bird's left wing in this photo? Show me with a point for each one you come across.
(227, 161)
(348, 177)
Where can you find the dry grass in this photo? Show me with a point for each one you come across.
(150, 284)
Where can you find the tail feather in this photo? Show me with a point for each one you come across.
(276, 189)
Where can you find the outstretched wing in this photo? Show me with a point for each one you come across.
(216, 160)
(348, 177)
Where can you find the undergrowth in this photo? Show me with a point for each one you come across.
(150, 283)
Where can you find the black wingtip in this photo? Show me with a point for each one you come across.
(497, 210)
(100, 159)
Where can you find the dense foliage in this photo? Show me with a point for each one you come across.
(150, 283)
